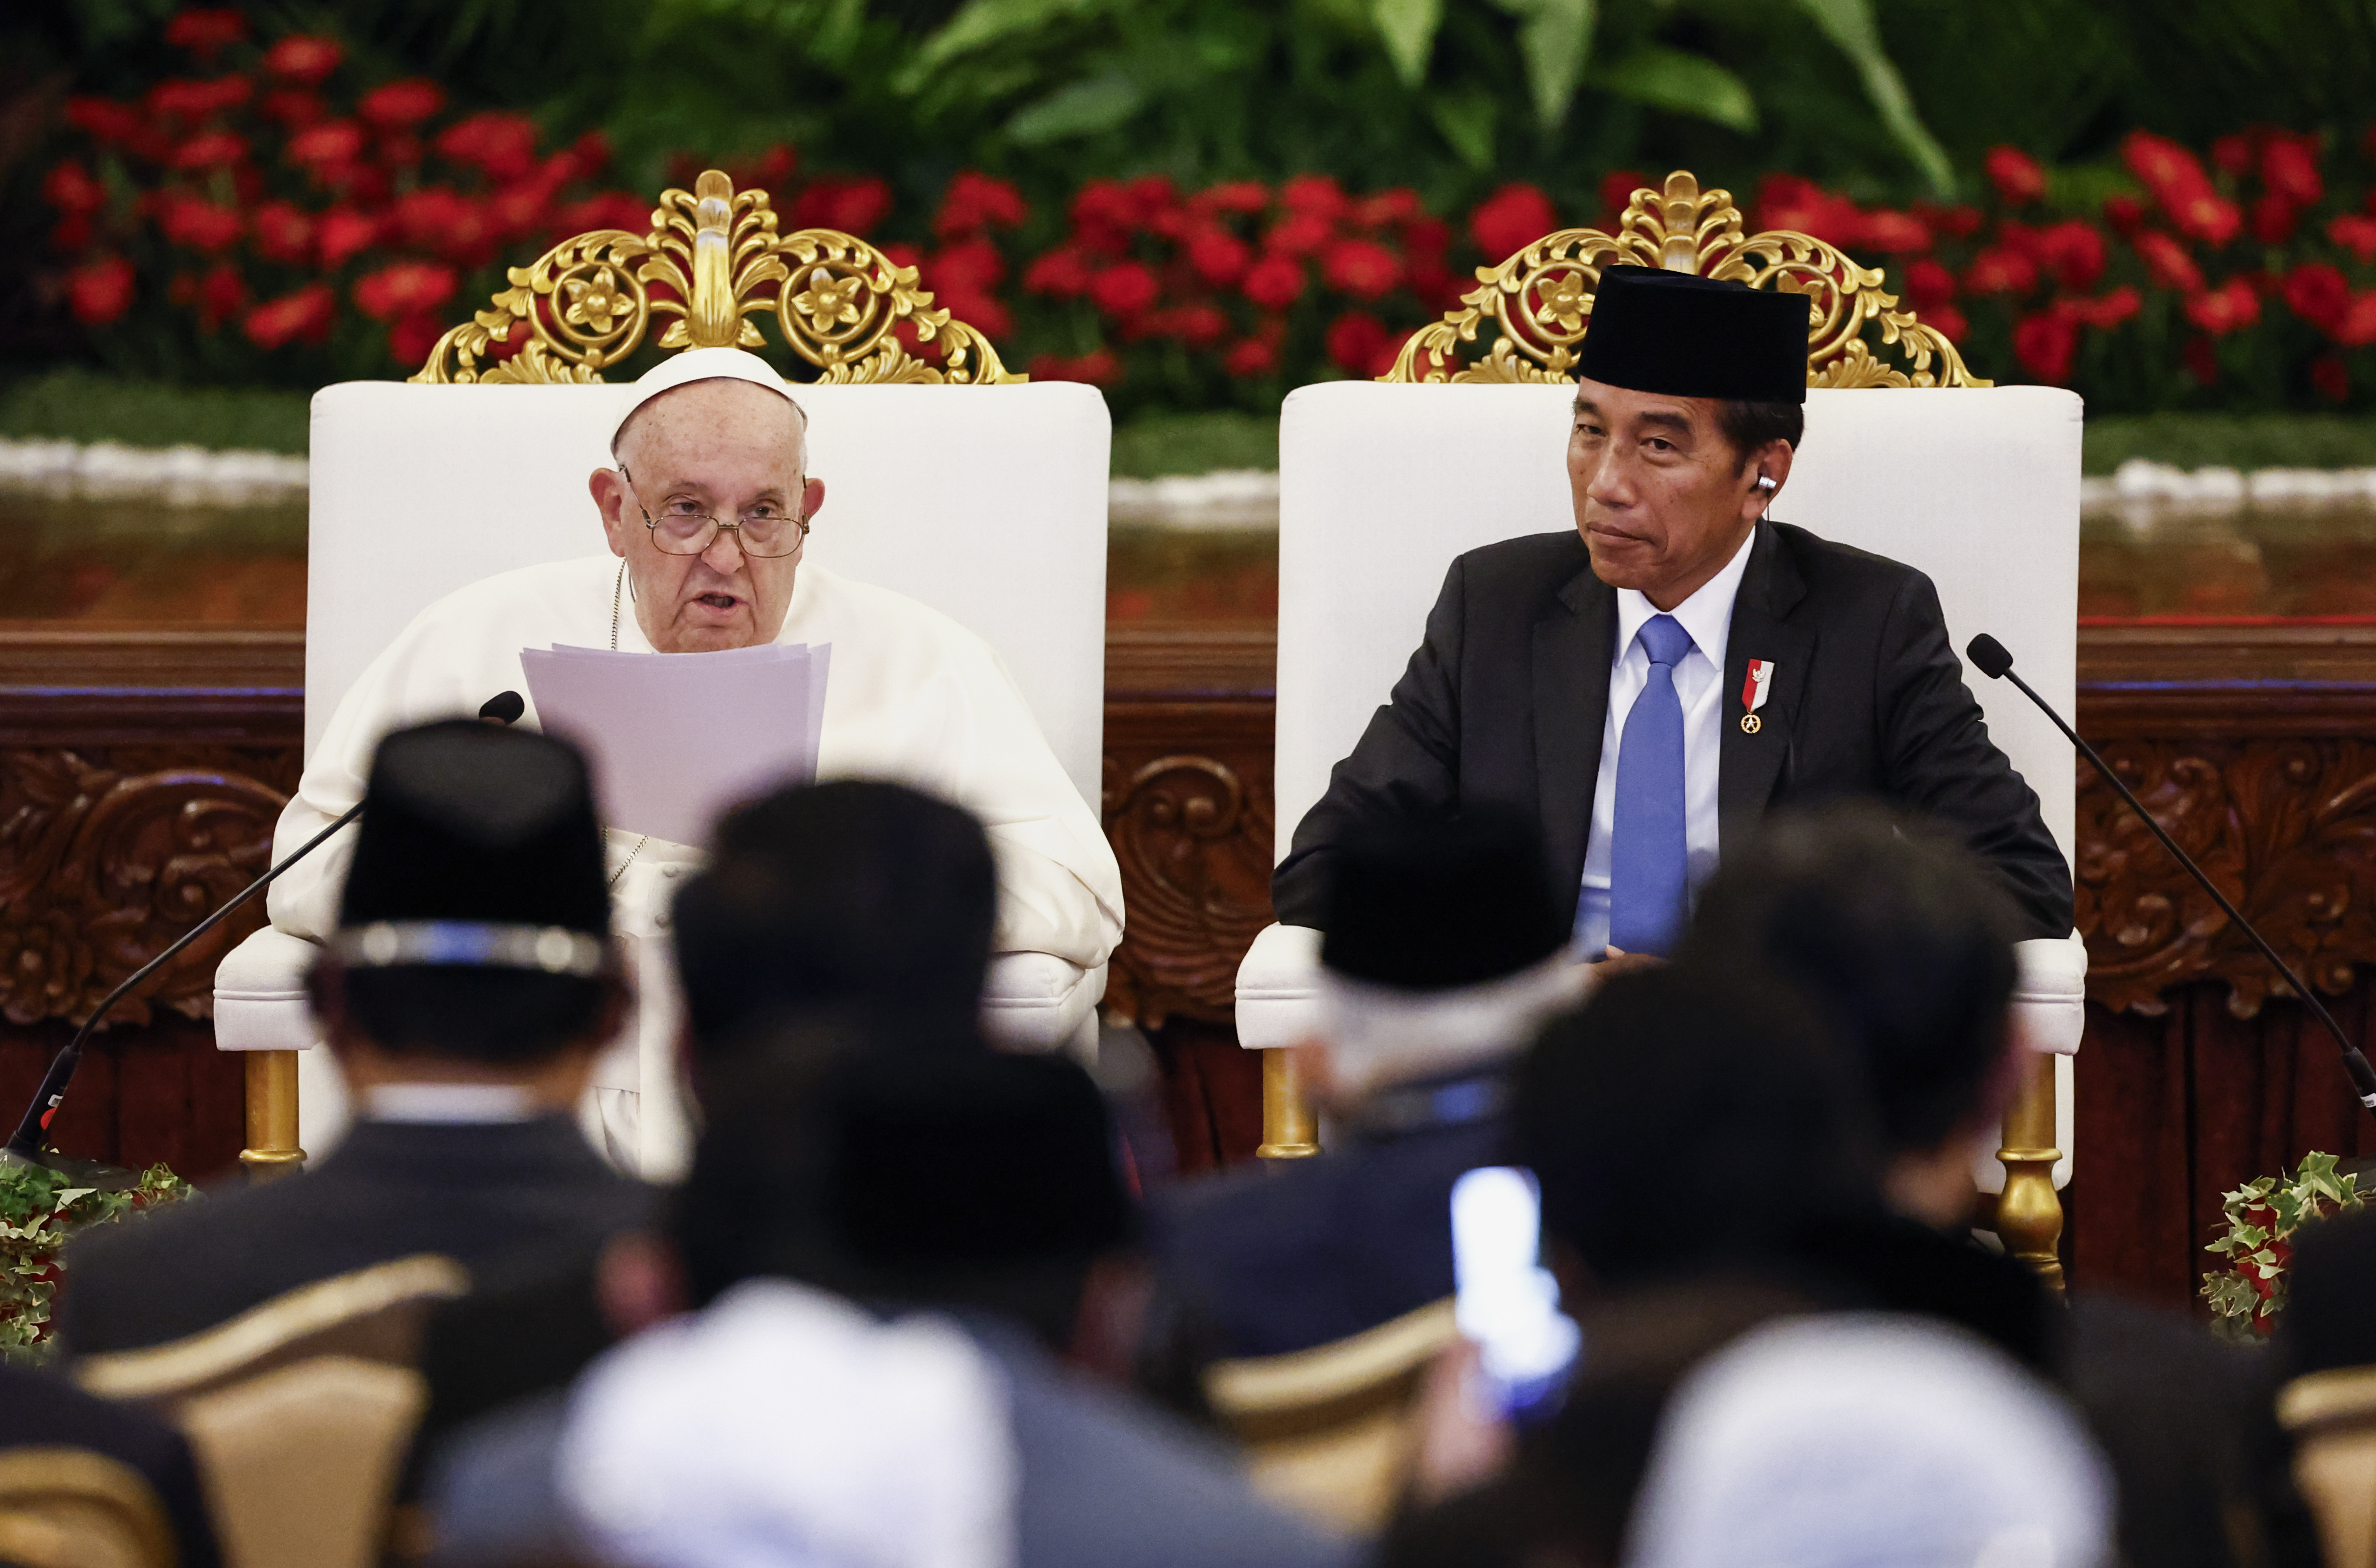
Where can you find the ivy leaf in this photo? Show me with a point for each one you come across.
(1101, 103)
(1555, 41)
(1465, 121)
(980, 23)
(1407, 29)
(1683, 84)
(1850, 25)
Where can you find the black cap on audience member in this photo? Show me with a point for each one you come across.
(475, 921)
(1436, 905)
(849, 894)
(1684, 1119)
(1684, 335)
(1898, 936)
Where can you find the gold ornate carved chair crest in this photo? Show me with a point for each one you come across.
(1539, 300)
(710, 263)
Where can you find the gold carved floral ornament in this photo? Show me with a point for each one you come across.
(1539, 300)
(711, 263)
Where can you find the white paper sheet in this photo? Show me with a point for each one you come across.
(676, 738)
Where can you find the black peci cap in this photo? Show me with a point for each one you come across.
(466, 821)
(1436, 905)
(1684, 335)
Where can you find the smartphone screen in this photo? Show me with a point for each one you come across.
(1508, 1302)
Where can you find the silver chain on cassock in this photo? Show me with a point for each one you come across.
(617, 588)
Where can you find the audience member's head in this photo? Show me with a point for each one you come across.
(474, 933)
(1443, 949)
(967, 1180)
(1853, 1438)
(1905, 944)
(849, 896)
(1684, 1121)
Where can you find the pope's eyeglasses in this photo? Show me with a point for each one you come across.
(683, 528)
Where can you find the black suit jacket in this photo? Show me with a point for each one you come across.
(1507, 696)
(480, 1194)
(41, 1411)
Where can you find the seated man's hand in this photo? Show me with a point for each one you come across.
(1615, 962)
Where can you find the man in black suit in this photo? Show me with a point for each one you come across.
(1650, 685)
(38, 1410)
(471, 986)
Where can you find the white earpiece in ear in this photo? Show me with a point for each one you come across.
(1765, 483)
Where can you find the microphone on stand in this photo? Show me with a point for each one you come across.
(1991, 659)
(24, 1146)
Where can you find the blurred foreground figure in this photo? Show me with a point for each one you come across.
(39, 1412)
(468, 988)
(1444, 948)
(892, 1260)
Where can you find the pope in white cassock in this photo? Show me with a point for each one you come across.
(706, 514)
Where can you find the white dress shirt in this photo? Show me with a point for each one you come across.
(1699, 681)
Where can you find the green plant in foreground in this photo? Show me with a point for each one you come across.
(2263, 1217)
(41, 1210)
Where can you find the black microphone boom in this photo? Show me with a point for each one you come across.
(1991, 659)
(25, 1144)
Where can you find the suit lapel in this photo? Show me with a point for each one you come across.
(1572, 660)
(1748, 765)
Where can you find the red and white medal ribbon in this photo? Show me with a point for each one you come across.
(1753, 693)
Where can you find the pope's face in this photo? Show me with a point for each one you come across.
(1662, 497)
(733, 451)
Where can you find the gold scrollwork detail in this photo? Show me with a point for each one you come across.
(1539, 300)
(711, 262)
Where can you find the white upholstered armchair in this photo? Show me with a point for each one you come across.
(1382, 484)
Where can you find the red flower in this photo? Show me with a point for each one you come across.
(2317, 293)
(344, 233)
(1235, 195)
(2355, 233)
(851, 203)
(1250, 357)
(1362, 344)
(1123, 290)
(2330, 379)
(220, 295)
(1198, 327)
(604, 210)
(501, 145)
(213, 149)
(1298, 234)
(70, 189)
(283, 233)
(406, 287)
(2125, 213)
(975, 201)
(1617, 188)
(195, 100)
(2209, 217)
(1363, 268)
(2167, 262)
(331, 142)
(1219, 257)
(1948, 320)
(1104, 215)
(304, 57)
(2045, 343)
(290, 106)
(446, 223)
(104, 119)
(2273, 218)
(2075, 251)
(1155, 202)
(1274, 282)
(2228, 308)
(2233, 152)
(1894, 233)
(1928, 284)
(1316, 194)
(2107, 312)
(2016, 175)
(2289, 168)
(977, 310)
(1062, 272)
(971, 265)
(2000, 271)
(1098, 368)
(411, 340)
(1785, 201)
(401, 105)
(2167, 170)
(100, 290)
(2201, 356)
(203, 32)
(2358, 328)
(201, 225)
(304, 315)
(1399, 204)
(1510, 219)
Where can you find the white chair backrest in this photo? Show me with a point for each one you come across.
(1382, 485)
(986, 502)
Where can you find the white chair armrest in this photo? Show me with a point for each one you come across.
(2049, 993)
(1040, 1002)
(260, 995)
(1278, 988)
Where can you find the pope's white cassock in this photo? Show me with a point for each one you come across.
(912, 697)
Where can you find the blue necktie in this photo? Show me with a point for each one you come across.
(1646, 848)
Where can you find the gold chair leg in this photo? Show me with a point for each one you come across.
(272, 1152)
(2029, 1211)
(1290, 1127)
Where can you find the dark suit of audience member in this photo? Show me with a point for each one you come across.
(980, 1188)
(848, 897)
(41, 1411)
(470, 986)
(1444, 947)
